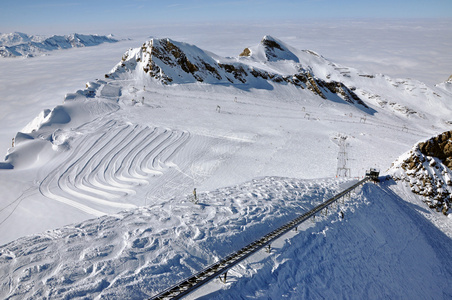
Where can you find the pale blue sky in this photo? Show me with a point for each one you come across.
(72, 15)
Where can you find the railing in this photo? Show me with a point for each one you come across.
(220, 268)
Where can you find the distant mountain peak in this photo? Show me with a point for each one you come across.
(270, 49)
(21, 44)
(16, 38)
(276, 50)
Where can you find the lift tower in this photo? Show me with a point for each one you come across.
(342, 169)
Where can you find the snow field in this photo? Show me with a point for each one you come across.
(106, 165)
(135, 254)
(383, 248)
(102, 148)
(32, 85)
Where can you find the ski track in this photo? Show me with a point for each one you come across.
(108, 163)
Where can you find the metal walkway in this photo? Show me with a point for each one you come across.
(195, 281)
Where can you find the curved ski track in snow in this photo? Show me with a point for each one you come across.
(107, 165)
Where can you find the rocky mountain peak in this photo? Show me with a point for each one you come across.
(170, 62)
(271, 43)
(276, 50)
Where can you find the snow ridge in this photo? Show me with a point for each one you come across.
(20, 44)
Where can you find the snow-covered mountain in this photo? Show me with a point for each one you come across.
(273, 61)
(268, 66)
(174, 62)
(17, 38)
(21, 44)
(253, 133)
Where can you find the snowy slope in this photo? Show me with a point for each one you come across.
(383, 248)
(135, 137)
(133, 255)
(129, 149)
(159, 243)
(447, 85)
(20, 44)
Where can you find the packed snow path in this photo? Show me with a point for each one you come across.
(197, 280)
(108, 164)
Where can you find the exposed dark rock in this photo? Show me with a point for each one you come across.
(346, 93)
(245, 52)
(212, 70)
(275, 51)
(428, 171)
(440, 147)
(271, 44)
(238, 72)
(368, 76)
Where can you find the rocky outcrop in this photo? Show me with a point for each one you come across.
(427, 170)
(156, 52)
(245, 52)
(275, 50)
(439, 147)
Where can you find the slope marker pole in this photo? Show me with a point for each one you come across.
(268, 249)
(224, 277)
